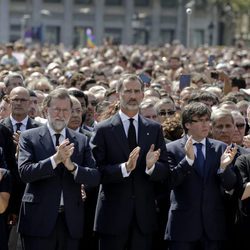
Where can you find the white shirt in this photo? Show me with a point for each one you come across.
(14, 122)
(126, 123)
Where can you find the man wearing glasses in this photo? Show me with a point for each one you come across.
(165, 108)
(17, 122)
(200, 167)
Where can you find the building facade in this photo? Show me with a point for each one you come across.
(153, 22)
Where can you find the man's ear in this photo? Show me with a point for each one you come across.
(187, 125)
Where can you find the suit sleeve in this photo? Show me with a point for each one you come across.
(179, 169)
(87, 173)
(110, 172)
(29, 169)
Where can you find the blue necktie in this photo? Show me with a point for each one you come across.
(200, 160)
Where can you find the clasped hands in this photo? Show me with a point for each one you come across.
(151, 158)
(63, 154)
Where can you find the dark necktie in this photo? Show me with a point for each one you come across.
(18, 126)
(200, 159)
(57, 139)
(131, 135)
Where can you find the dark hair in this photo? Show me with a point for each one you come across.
(193, 109)
(128, 77)
(78, 93)
(203, 95)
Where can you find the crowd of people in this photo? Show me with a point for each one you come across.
(124, 147)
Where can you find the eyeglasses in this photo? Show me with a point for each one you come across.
(57, 111)
(19, 100)
(201, 120)
(164, 112)
(240, 125)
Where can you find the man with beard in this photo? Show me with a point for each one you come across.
(54, 161)
(130, 153)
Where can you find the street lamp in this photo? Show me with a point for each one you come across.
(189, 11)
(24, 19)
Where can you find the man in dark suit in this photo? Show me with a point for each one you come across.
(51, 215)
(17, 122)
(200, 168)
(90, 193)
(130, 152)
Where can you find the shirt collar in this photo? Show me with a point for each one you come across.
(24, 121)
(124, 117)
(203, 141)
(52, 131)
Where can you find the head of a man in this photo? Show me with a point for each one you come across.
(240, 127)
(222, 125)
(20, 102)
(33, 108)
(76, 116)
(147, 109)
(196, 120)
(130, 92)
(58, 109)
(13, 80)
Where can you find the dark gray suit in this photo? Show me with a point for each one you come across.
(41, 199)
(197, 206)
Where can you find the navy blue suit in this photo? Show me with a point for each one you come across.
(197, 207)
(41, 200)
(123, 200)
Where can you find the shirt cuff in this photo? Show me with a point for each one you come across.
(190, 162)
(220, 170)
(76, 171)
(53, 162)
(150, 171)
(125, 173)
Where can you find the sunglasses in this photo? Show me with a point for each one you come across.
(164, 112)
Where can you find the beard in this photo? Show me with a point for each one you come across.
(58, 125)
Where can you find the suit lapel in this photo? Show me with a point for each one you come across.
(46, 140)
(8, 124)
(119, 134)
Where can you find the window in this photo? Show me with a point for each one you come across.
(114, 2)
(115, 34)
(197, 38)
(142, 2)
(167, 35)
(52, 1)
(84, 1)
(52, 34)
(169, 3)
(141, 36)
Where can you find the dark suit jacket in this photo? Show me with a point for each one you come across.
(41, 199)
(18, 186)
(122, 200)
(31, 123)
(197, 202)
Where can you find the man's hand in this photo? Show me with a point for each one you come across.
(64, 151)
(152, 156)
(228, 156)
(15, 137)
(189, 148)
(132, 159)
